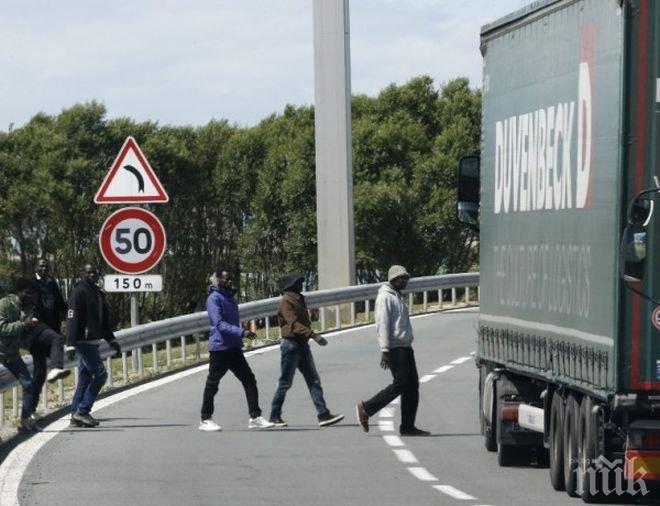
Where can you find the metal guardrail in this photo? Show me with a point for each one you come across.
(152, 334)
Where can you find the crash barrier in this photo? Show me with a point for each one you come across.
(335, 309)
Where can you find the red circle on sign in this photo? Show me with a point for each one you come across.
(655, 317)
(158, 240)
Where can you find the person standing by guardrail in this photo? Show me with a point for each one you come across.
(88, 324)
(295, 352)
(16, 321)
(226, 352)
(395, 337)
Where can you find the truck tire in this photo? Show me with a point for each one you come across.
(591, 482)
(490, 432)
(557, 442)
(570, 444)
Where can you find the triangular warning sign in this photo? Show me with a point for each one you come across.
(130, 180)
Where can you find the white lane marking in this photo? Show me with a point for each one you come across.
(422, 474)
(442, 369)
(395, 401)
(405, 456)
(393, 440)
(454, 492)
(386, 413)
(427, 378)
(13, 467)
(460, 360)
(386, 425)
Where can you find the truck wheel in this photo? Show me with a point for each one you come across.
(490, 432)
(570, 444)
(557, 442)
(590, 481)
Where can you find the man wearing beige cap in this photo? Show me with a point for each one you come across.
(395, 337)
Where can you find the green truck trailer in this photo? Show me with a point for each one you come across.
(562, 195)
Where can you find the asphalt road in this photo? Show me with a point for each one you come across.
(148, 449)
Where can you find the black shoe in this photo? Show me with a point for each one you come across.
(414, 432)
(277, 420)
(362, 417)
(96, 422)
(84, 419)
(329, 419)
(74, 423)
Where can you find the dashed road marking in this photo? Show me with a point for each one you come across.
(386, 413)
(427, 378)
(454, 492)
(442, 369)
(393, 440)
(405, 456)
(422, 474)
(386, 425)
(460, 360)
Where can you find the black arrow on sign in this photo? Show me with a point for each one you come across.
(137, 174)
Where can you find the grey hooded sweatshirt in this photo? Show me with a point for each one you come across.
(392, 319)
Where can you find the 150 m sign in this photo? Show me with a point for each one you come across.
(132, 240)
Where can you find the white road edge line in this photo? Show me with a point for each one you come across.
(460, 360)
(393, 440)
(444, 368)
(405, 456)
(454, 492)
(422, 474)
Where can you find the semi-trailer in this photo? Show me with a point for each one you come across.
(562, 195)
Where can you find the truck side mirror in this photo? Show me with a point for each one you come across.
(633, 253)
(640, 212)
(467, 207)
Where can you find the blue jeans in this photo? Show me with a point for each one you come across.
(297, 356)
(18, 368)
(91, 377)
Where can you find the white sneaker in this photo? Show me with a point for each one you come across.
(260, 423)
(209, 426)
(57, 373)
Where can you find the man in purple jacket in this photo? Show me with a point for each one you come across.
(226, 353)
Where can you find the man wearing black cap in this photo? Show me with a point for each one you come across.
(395, 337)
(296, 353)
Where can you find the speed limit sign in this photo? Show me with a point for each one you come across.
(132, 240)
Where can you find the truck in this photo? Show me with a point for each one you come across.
(562, 195)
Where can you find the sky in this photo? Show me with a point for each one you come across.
(187, 62)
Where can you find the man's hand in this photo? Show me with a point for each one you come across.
(385, 360)
(320, 340)
(117, 347)
(30, 322)
(248, 334)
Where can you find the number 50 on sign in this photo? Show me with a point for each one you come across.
(132, 240)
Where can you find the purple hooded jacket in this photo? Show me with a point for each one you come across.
(226, 332)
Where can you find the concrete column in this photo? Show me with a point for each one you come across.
(334, 168)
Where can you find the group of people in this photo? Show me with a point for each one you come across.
(31, 318)
(395, 339)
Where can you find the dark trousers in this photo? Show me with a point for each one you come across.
(230, 360)
(405, 384)
(18, 368)
(46, 344)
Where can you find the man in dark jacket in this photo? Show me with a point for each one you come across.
(46, 340)
(88, 324)
(296, 354)
(226, 352)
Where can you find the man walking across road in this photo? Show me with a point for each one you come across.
(395, 337)
(46, 338)
(16, 321)
(296, 354)
(88, 324)
(226, 352)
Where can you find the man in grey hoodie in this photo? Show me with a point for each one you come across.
(395, 337)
